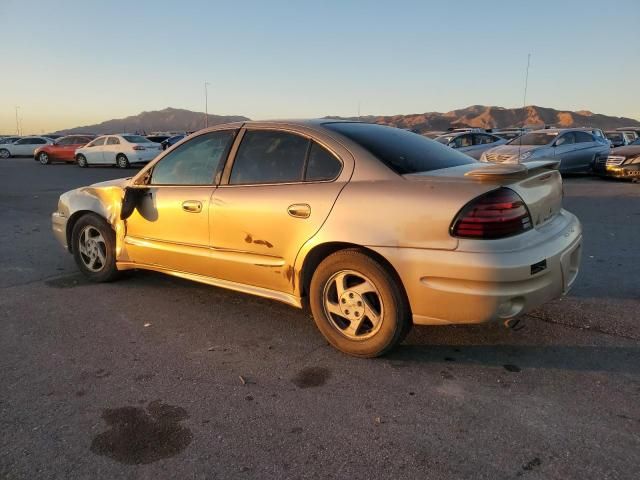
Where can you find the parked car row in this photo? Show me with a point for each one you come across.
(578, 150)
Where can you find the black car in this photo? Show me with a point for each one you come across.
(171, 141)
(621, 162)
(157, 138)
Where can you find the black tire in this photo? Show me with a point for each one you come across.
(4, 153)
(43, 158)
(396, 319)
(122, 161)
(108, 271)
(81, 160)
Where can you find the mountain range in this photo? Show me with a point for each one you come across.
(167, 120)
(174, 119)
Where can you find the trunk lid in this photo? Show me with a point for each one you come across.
(538, 183)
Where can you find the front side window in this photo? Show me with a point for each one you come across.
(39, 141)
(113, 141)
(535, 138)
(195, 162)
(269, 157)
(566, 139)
(583, 137)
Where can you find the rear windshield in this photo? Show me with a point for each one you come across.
(534, 138)
(136, 139)
(403, 152)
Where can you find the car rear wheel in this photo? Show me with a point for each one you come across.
(94, 246)
(43, 158)
(4, 153)
(81, 160)
(122, 161)
(358, 305)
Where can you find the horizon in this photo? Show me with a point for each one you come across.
(312, 61)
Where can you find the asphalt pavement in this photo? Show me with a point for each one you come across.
(156, 377)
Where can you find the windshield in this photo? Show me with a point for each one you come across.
(535, 138)
(614, 136)
(136, 139)
(403, 152)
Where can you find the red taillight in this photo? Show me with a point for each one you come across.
(138, 147)
(497, 214)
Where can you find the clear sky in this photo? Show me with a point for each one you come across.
(70, 63)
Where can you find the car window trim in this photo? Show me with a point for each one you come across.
(216, 173)
(226, 175)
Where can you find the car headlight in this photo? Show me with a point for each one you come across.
(525, 156)
(633, 160)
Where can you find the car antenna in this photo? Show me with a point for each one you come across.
(524, 102)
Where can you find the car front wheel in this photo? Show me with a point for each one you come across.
(94, 246)
(358, 305)
(4, 153)
(81, 160)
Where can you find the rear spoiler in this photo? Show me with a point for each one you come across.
(491, 171)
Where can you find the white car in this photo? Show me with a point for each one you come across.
(25, 147)
(120, 150)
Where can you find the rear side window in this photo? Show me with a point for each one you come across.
(322, 165)
(195, 162)
(403, 152)
(113, 141)
(39, 141)
(483, 139)
(269, 157)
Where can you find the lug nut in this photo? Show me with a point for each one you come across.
(344, 300)
(346, 312)
(359, 303)
(357, 314)
(351, 295)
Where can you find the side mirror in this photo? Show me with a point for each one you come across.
(453, 145)
(130, 201)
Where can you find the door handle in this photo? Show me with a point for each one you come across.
(192, 206)
(299, 210)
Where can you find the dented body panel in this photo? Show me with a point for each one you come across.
(261, 239)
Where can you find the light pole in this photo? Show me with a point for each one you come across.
(206, 105)
(17, 122)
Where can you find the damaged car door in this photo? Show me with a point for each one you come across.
(169, 226)
(274, 196)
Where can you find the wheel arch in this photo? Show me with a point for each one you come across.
(318, 253)
(73, 219)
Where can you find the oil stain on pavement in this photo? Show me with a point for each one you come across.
(137, 436)
(311, 377)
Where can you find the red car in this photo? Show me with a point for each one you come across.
(62, 150)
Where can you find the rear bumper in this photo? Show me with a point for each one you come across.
(463, 287)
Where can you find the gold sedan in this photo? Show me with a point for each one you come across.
(376, 228)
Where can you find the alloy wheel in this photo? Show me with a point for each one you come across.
(4, 153)
(44, 158)
(353, 305)
(92, 248)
